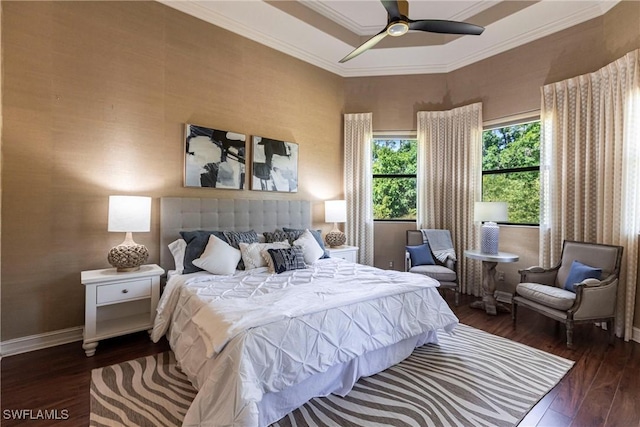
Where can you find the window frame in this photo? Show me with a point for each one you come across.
(502, 123)
(386, 135)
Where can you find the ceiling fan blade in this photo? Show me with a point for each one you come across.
(392, 9)
(445, 27)
(365, 46)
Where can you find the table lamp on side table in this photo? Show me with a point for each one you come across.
(129, 214)
(335, 211)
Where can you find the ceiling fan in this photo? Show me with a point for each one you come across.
(398, 24)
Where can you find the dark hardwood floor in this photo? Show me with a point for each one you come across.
(602, 389)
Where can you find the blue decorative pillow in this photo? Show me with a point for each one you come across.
(316, 234)
(420, 255)
(234, 238)
(578, 273)
(196, 242)
(281, 260)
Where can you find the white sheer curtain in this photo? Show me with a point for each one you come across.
(358, 177)
(590, 169)
(449, 180)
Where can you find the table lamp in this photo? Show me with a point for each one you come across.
(335, 211)
(129, 214)
(490, 213)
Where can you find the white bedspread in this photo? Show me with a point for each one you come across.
(270, 332)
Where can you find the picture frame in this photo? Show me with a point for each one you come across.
(274, 165)
(214, 158)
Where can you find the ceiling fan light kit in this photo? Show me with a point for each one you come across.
(397, 29)
(398, 25)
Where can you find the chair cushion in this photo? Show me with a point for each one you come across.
(550, 296)
(420, 255)
(438, 272)
(580, 272)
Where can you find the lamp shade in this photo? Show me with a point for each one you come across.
(335, 211)
(490, 211)
(129, 213)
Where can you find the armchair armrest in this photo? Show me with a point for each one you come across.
(544, 276)
(595, 300)
(450, 264)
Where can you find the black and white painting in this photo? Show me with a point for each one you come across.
(214, 158)
(275, 165)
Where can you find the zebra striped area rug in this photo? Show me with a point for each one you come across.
(471, 378)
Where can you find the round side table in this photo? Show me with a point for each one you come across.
(489, 262)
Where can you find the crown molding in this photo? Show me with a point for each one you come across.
(197, 10)
(354, 27)
(558, 25)
(234, 17)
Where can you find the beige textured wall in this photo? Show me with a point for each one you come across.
(507, 84)
(389, 243)
(95, 95)
(95, 98)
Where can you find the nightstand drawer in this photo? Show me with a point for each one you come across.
(123, 291)
(347, 253)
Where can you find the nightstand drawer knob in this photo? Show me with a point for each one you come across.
(125, 291)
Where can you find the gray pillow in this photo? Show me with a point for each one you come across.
(277, 236)
(196, 243)
(234, 238)
(316, 234)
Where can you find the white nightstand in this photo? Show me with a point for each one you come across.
(119, 303)
(349, 253)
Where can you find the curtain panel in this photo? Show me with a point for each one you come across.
(590, 169)
(358, 134)
(449, 181)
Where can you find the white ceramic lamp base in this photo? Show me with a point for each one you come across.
(489, 235)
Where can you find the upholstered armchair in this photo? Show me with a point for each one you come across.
(444, 272)
(582, 288)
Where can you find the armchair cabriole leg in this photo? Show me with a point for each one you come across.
(514, 309)
(569, 334)
(457, 297)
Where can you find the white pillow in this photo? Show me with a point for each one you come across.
(310, 247)
(218, 257)
(251, 253)
(177, 248)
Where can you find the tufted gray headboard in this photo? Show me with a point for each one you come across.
(184, 214)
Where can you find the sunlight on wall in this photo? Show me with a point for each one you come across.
(117, 168)
(323, 192)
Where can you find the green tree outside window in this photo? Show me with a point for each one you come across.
(511, 170)
(394, 179)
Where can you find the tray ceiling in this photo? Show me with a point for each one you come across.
(321, 32)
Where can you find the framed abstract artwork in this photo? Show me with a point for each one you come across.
(214, 158)
(274, 165)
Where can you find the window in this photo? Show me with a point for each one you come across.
(511, 170)
(394, 178)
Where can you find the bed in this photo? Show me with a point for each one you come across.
(257, 345)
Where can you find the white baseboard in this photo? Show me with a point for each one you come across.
(40, 341)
